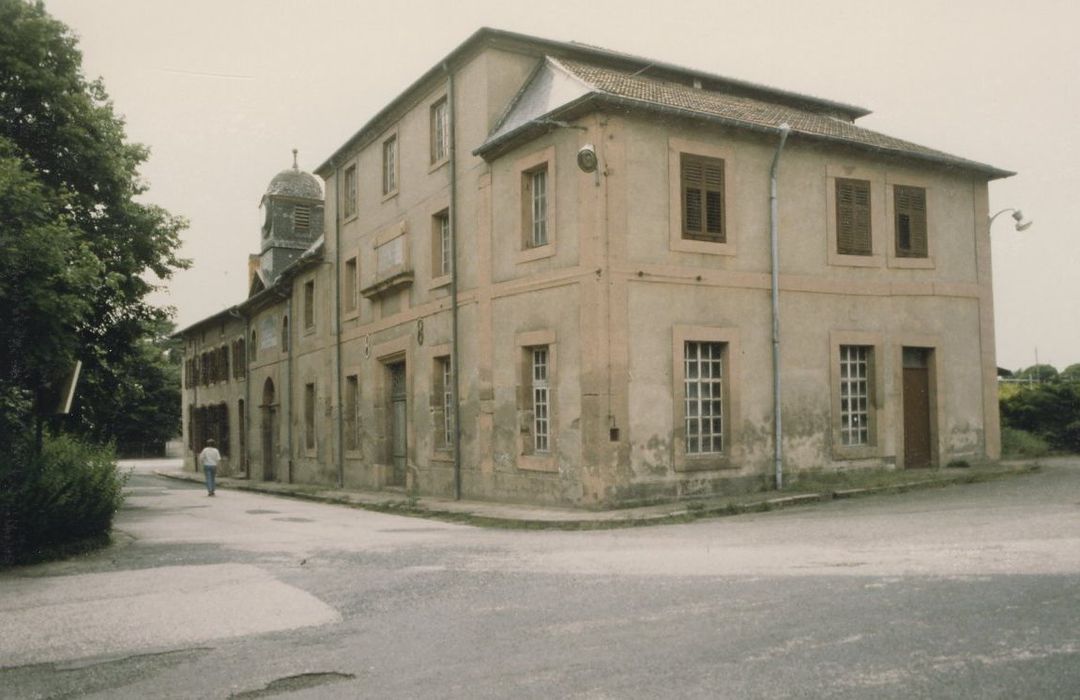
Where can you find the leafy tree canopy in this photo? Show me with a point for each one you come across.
(78, 248)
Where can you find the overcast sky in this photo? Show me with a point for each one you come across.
(222, 90)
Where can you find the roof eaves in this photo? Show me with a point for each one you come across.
(490, 149)
(547, 46)
(943, 159)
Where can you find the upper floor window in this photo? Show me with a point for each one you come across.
(348, 193)
(910, 206)
(703, 198)
(349, 285)
(440, 144)
(309, 304)
(535, 198)
(853, 236)
(389, 169)
(440, 244)
(285, 334)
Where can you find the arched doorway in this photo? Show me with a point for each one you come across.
(269, 429)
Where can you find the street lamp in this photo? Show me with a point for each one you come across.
(1021, 225)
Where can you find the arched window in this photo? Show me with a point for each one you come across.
(285, 334)
(252, 349)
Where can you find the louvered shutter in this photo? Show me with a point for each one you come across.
(853, 217)
(703, 198)
(911, 237)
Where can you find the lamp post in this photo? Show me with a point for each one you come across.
(1021, 225)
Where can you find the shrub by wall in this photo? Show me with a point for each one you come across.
(65, 497)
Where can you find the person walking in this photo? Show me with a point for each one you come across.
(210, 458)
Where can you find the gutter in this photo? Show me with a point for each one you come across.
(337, 337)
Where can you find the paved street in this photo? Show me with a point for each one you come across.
(966, 591)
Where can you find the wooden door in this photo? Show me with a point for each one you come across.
(917, 449)
(398, 424)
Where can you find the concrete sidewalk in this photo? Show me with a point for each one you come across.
(511, 515)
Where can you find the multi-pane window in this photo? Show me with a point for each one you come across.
(349, 284)
(253, 348)
(439, 131)
(536, 206)
(703, 384)
(445, 387)
(285, 334)
(389, 169)
(348, 192)
(541, 396)
(352, 406)
(703, 198)
(853, 217)
(440, 244)
(309, 304)
(855, 386)
(910, 206)
(309, 416)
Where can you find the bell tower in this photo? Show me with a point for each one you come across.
(292, 219)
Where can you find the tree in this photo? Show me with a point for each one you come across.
(1038, 373)
(79, 248)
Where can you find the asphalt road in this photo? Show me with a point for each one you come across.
(966, 591)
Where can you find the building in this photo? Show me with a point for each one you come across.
(585, 237)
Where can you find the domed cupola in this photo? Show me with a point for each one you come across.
(292, 219)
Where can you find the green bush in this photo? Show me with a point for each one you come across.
(66, 495)
(1020, 443)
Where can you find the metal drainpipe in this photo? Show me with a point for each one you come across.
(236, 313)
(455, 383)
(337, 332)
(289, 386)
(774, 238)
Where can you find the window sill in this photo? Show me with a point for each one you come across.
(856, 452)
(844, 260)
(442, 454)
(389, 195)
(350, 218)
(538, 253)
(703, 463)
(538, 463)
(911, 263)
(440, 281)
(692, 245)
(438, 164)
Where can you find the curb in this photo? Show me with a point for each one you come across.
(680, 513)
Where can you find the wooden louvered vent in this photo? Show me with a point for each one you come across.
(910, 205)
(302, 218)
(703, 198)
(853, 217)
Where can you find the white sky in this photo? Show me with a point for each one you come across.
(222, 90)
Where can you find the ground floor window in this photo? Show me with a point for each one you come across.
(703, 384)
(856, 379)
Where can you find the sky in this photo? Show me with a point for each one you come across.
(223, 90)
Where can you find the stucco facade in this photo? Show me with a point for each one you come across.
(584, 309)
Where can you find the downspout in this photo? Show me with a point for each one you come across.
(337, 333)
(287, 415)
(235, 313)
(774, 239)
(454, 374)
(289, 386)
